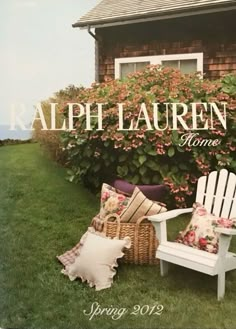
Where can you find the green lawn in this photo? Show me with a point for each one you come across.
(41, 216)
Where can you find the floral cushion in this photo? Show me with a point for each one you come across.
(200, 232)
(112, 201)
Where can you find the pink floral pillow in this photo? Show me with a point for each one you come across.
(200, 232)
(112, 201)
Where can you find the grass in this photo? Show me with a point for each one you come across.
(41, 216)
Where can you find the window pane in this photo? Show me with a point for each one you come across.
(188, 66)
(127, 68)
(140, 66)
(174, 64)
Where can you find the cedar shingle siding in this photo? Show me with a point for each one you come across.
(213, 34)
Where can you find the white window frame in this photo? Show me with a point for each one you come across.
(154, 60)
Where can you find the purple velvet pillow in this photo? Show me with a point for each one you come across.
(152, 192)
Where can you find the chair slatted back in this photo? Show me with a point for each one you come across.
(217, 192)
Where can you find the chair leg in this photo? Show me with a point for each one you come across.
(221, 286)
(164, 266)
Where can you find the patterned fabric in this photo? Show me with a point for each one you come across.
(112, 201)
(96, 259)
(140, 206)
(200, 232)
(69, 256)
(97, 223)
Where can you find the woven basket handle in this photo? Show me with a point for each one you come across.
(140, 220)
(136, 237)
(117, 217)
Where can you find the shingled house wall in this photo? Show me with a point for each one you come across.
(212, 34)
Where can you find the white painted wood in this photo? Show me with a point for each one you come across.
(163, 231)
(224, 242)
(187, 254)
(217, 193)
(227, 231)
(194, 252)
(221, 286)
(210, 191)
(158, 59)
(189, 262)
(219, 198)
(169, 214)
(160, 228)
(229, 195)
(164, 266)
(201, 185)
(233, 211)
(230, 261)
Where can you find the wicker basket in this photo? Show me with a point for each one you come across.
(143, 239)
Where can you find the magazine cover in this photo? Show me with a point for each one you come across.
(118, 164)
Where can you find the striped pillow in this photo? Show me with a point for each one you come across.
(140, 206)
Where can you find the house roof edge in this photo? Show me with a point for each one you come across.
(132, 19)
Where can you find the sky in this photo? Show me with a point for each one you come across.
(40, 52)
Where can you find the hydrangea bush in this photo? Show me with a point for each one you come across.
(150, 156)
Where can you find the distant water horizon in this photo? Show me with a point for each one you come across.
(6, 133)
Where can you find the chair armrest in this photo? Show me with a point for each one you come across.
(169, 214)
(227, 231)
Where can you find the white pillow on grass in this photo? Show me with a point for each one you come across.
(96, 258)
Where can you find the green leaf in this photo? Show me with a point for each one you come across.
(70, 179)
(174, 169)
(122, 171)
(147, 148)
(70, 172)
(171, 151)
(142, 170)
(152, 152)
(112, 158)
(97, 167)
(175, 136)
(107, 163)
(233, 164)
(180, 149)
(132, 168)
(152, 164)
(123, 157)
(136, 163)
(135, 179)
(142, 159)
(105, 156)
(140, 150)
(146, 179)
(183, 166)
(85, 163)
(156, 179)
(88, 152)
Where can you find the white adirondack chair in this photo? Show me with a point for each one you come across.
(217, 192)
